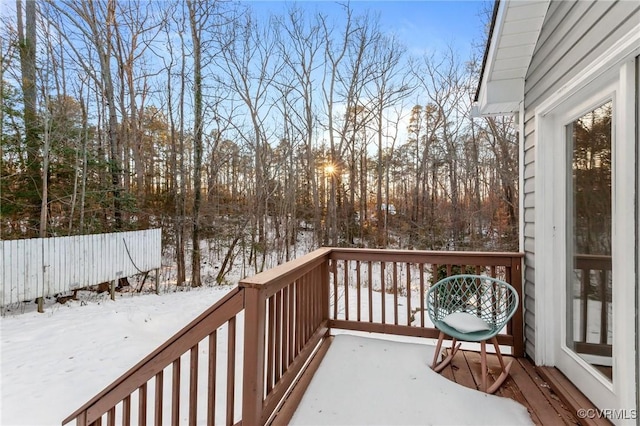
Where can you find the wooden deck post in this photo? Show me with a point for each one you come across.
(518, 319)
(326, 293)
(254, 356)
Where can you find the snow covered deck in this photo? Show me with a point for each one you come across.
(56, 361)
(369, 381)
(246, 355)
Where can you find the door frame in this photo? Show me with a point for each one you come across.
(613, 71)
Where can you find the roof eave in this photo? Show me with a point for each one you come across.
(500, 95)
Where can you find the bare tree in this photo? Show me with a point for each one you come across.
(443, 80)
(134, 31)
(348, 69)
(177, 149)
(281, 121)
(198, 13)
(27, 47)
(300, 45)
(388, 87)
(503, 143)
(249, 63)
(95, 22)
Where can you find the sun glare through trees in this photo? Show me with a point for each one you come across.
(224, 122)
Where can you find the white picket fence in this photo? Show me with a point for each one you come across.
(42, 267)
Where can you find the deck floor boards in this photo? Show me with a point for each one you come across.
(524, 385)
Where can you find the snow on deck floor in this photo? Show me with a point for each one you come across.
(369, 381)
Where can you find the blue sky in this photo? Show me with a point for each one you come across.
(423, 26)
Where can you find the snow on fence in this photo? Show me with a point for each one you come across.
(42, 267)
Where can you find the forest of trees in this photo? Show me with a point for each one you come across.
(215, 123)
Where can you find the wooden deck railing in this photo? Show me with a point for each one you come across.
(287, 313)
(286, 317)
(388, 282)
(161, 376)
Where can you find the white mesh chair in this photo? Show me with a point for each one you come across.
(471, 308)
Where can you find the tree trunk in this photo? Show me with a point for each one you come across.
(196, 280)
(27, 48)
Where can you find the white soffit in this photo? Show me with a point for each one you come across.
(515, 34)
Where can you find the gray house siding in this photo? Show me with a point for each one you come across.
(528, 192)
(573, 35)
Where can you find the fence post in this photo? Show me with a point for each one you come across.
(157, 280)
(40, 300)
(114, 283)
(254, 355)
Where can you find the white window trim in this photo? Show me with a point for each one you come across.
(625, 155)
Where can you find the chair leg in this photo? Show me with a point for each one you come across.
(494, 340)
(438, 367)
(454, 348)
(503, 376)
(455, 345)
(438, 348)
(505, 369)
(483, 364)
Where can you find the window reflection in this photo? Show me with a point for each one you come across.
(589, 240)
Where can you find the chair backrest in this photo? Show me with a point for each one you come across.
(493, 300)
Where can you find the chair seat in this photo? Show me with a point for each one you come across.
(476, 336)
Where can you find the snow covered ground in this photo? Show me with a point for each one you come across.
(52, 363)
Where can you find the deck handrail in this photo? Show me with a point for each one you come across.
(287, 317)
(223, 311)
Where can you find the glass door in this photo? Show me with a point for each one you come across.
(589, 282)
(587, 212)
